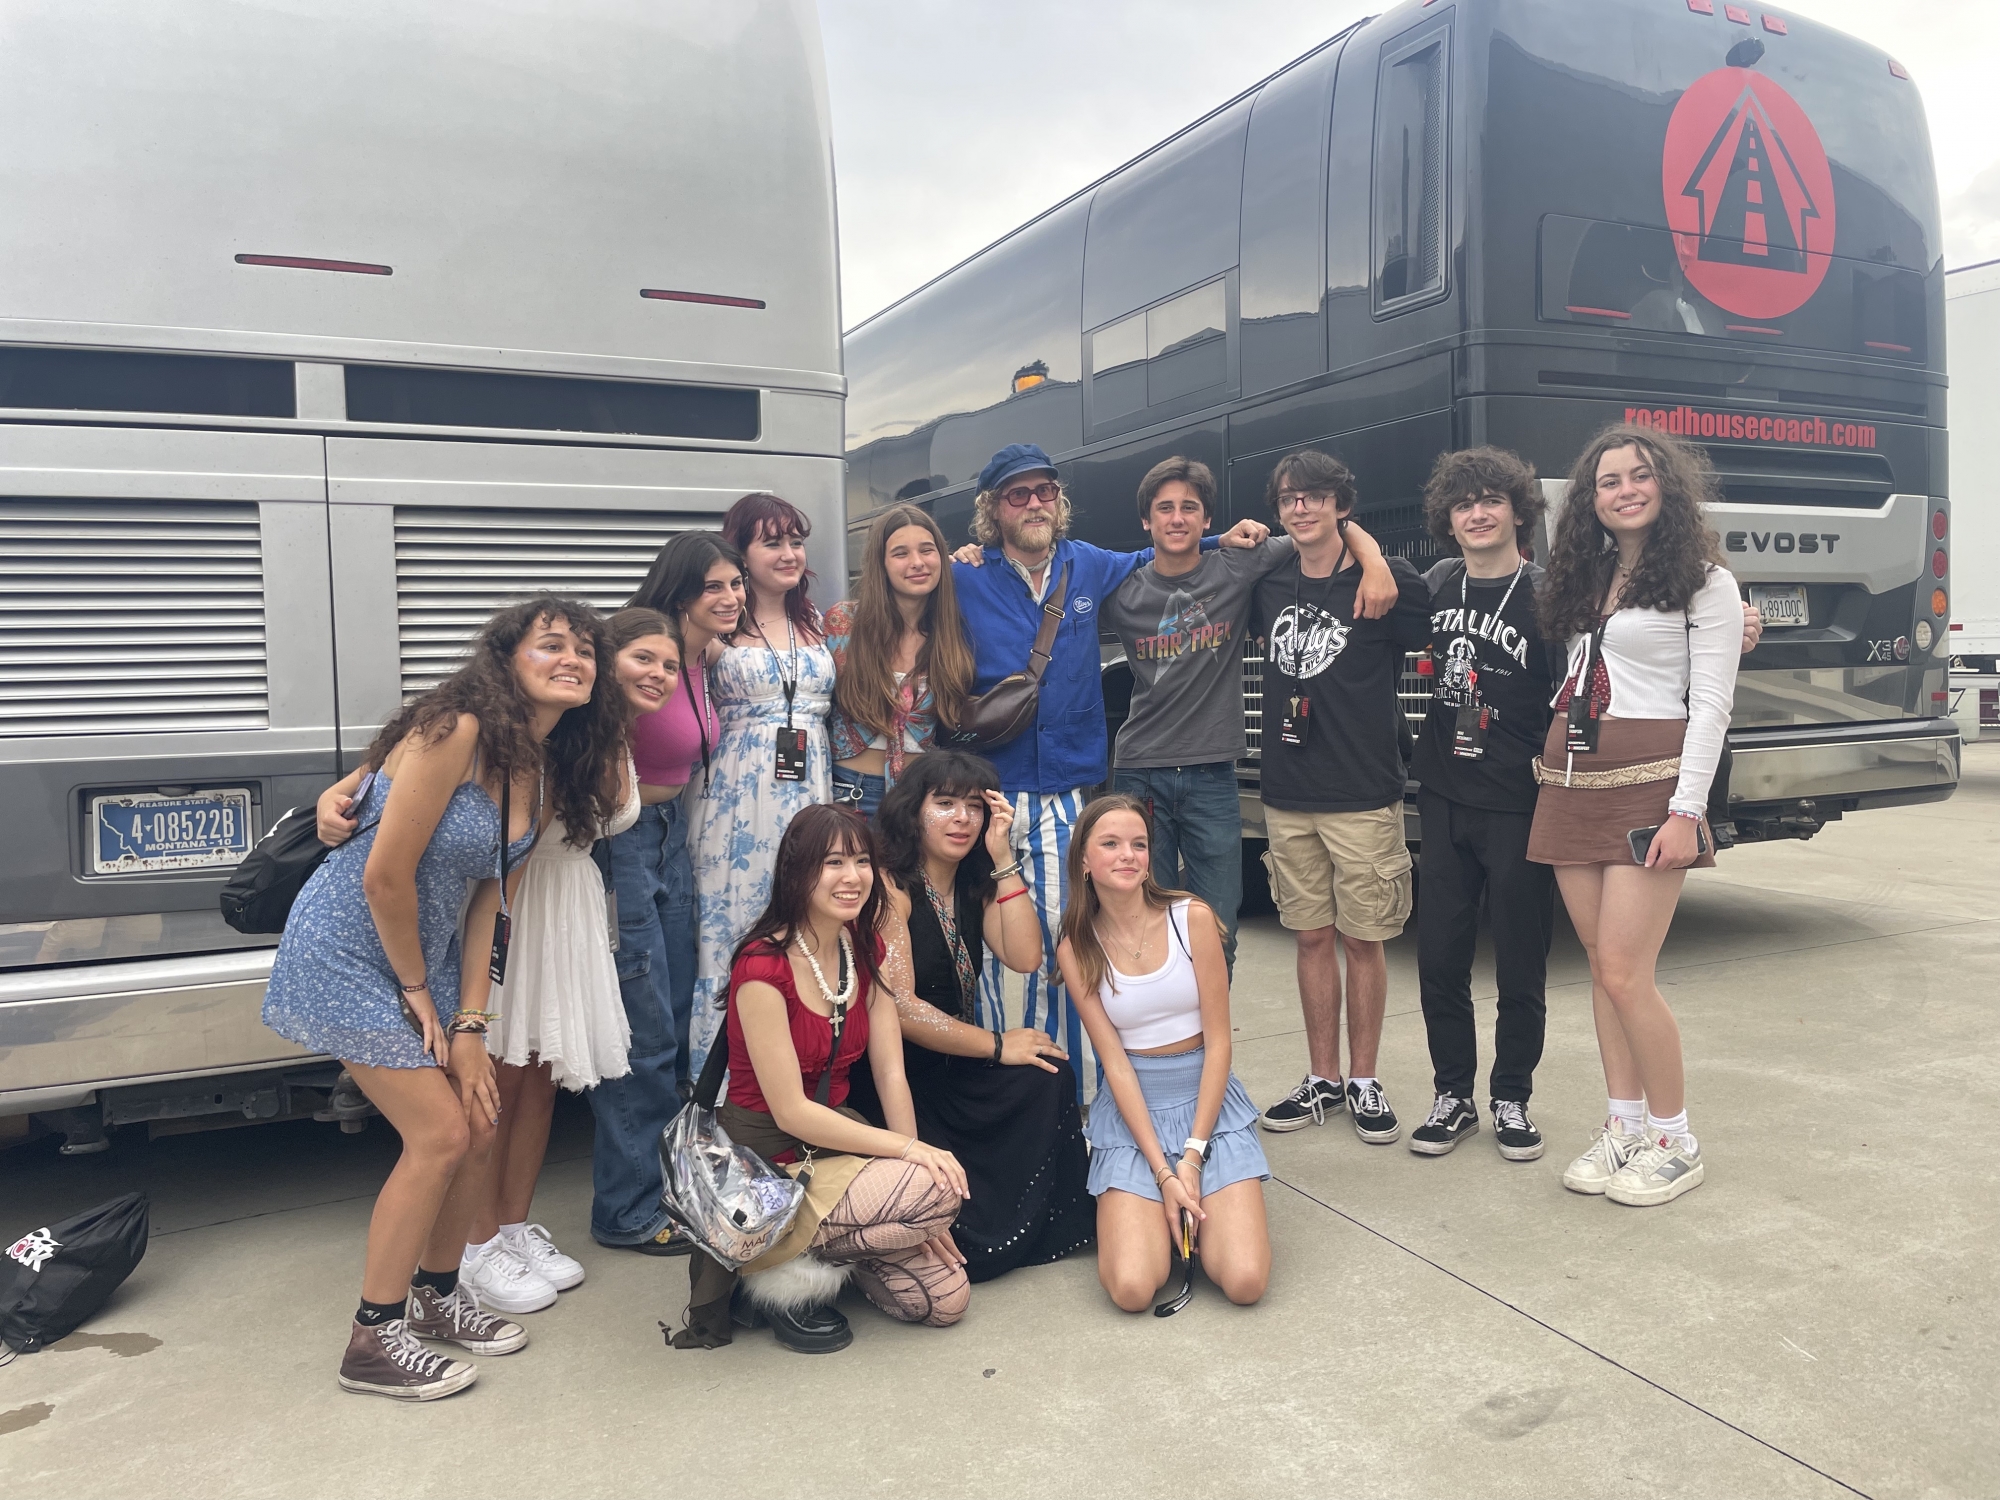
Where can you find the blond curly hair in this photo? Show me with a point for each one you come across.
(986, 517)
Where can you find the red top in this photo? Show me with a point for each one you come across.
(812, 1033)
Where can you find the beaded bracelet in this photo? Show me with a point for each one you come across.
(1005, 870)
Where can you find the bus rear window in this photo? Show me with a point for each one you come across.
(1628, 276)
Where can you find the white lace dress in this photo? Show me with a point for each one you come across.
(561, 1004)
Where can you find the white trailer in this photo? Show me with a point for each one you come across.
(1972, 342)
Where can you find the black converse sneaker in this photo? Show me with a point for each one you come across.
(1374, 1121)
(1450, 1121)
(1308, 1104)
(1514, 1132)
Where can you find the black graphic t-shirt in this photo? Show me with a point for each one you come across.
(1343, 673)
(1482, 650)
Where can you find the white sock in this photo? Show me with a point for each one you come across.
(1332, 1083)
(1356, 1080)
(1676, 1127)
(508, 1231)
(473, 1252)
(1630, 1112)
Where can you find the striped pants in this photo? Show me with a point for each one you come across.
(1042, 824)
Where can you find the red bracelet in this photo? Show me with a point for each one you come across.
(1011, 895)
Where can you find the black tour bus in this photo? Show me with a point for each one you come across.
(1508, 222)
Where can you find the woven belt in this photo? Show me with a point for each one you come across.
(1603, 781)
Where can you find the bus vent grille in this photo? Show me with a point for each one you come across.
(1413, 691)
(454, 568)
(129, 617)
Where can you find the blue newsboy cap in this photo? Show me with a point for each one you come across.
(1015, 458)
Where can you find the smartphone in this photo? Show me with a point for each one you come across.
(1641, 840)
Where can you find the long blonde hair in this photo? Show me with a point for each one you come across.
(1079, 921)
(865, 687)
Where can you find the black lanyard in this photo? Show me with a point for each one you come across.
(704, 713)
(788, 670)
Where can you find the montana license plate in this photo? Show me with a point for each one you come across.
(1780, 603)
(146, 833)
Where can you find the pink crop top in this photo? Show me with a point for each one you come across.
(666, 744)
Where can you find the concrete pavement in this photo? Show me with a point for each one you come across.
(1817, 1319)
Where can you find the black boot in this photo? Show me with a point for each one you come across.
(803, 1330)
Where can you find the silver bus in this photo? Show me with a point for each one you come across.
(325, 327)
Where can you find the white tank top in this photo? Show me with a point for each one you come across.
(1160, 1008)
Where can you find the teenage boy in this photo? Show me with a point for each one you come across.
(1183, 619)
(1493, 678)
(1332, 772)
(1021, 522)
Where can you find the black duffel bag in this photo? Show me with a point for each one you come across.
(53, 1278)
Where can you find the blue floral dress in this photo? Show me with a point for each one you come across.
(736, 825)
(332, 988)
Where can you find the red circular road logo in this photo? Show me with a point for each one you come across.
(1749, 194)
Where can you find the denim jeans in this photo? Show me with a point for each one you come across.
(1197, 834)
(654, 884)
(858, 791)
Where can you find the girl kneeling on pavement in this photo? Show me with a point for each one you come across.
(368, 968)
(1162, 1036)
(1654, 624)
(804, 975)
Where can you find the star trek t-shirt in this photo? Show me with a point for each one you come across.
(1183, 637)
(1336, 676)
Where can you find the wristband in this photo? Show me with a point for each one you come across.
(411, 989)
(1198, 1146)
(1011, 895)
(1674, 812)
(1160, 1177)
(996, 1047)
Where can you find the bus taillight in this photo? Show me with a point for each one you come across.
(1939, 562)
(1938, 603)
(1939, 525)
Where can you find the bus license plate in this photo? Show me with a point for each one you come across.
(1780, 603)
(145, 833)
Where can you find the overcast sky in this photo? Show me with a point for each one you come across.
(955, 120)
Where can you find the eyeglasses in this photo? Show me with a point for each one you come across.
(1304, 499)
(1018, 497)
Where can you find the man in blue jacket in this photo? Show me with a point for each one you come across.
(1021, 520)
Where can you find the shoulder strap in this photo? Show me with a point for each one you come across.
(1045, 636)
(1176, 915)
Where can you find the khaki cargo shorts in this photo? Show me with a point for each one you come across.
(1349, 870)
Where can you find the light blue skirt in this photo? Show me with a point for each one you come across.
(1171, 1086)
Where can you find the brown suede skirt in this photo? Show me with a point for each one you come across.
(1577, 825)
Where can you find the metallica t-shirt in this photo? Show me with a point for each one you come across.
(1183, 637)
(1485, 649)
(1335, 677)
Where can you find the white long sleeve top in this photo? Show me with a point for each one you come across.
(1669, 664)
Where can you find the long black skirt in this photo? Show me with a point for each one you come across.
(1019, 1136)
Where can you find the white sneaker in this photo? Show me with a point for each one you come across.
(1614, 1146)
(1663, 1169)
(533, 1244)
(502, 1280)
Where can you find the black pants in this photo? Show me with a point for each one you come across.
(1469, 852)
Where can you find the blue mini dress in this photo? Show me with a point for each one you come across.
(332, 988)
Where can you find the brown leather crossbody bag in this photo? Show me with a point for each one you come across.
(1005, 711)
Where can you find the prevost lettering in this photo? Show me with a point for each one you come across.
(1750, 427)
(1780, 541)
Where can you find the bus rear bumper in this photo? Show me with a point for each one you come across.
(67, 1035)
(1787, 782)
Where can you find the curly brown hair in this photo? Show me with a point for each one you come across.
(1479, 471)
(581, 752)
(1679, 549)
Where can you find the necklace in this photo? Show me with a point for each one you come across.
(850, 977)
(1144, 938)
(954, 941)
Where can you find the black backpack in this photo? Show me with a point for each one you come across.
(260, 894)
(53, 1278)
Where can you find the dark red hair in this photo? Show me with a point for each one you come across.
(768, 516)
(814, 833)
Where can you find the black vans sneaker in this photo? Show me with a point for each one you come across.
(1514, 1132)
(1450, 1121)
(1374, 1121)
(1308, 1104)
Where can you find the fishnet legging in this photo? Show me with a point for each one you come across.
(882, 1225)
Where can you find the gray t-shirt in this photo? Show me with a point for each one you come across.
(1184, 639)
